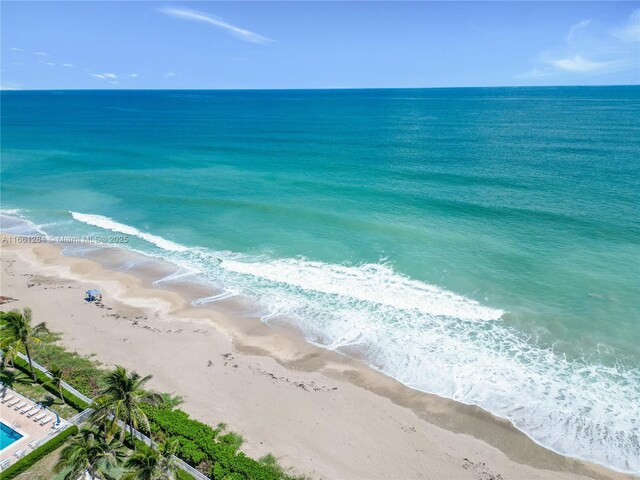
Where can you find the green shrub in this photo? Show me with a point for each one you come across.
(27, 461)
(199, 443)
(188, 451)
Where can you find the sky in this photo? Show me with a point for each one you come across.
(287, 45)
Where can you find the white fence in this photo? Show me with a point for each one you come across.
(82, 417)
(85, 414)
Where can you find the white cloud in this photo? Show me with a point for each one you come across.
(68, 65)
(41, 54)
(631, 31)
(110, 77)
(133, 75)
(195, 16)
(14, 49)
(574, 28)
(591, 49)
(171, 74)
(579, 64)
(51, 64)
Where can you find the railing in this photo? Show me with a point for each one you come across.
(85, 414)
(197, 474)
(82, 417)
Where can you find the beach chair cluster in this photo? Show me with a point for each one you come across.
(28, 408)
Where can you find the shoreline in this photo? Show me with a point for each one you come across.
(270, 372)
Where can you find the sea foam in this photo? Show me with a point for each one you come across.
(107, 223)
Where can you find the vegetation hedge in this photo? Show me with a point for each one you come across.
(199, 444)
(27, 461)
(45, 381)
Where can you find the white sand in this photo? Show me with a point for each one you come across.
(321, 414)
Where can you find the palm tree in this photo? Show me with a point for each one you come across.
(153, 464)
(17, 332)
(122, 399)
(9, 354)
(56, 379)
(88, 454)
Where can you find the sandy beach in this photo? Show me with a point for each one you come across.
(320, 413)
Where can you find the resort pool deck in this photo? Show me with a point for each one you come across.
(24, 426)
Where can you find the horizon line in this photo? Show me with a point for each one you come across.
(302, 88)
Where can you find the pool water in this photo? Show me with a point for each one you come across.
(7, 436)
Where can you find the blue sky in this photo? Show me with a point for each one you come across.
(132, 45)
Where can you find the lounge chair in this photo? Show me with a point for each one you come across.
(7, 398)
(20, 453)
(44, 422)
(32, 413)
(4, 463)
(13, 402)
(20, 405)
(40, 417)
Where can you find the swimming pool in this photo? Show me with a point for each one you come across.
(8, 436)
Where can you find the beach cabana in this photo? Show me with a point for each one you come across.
(93, 296)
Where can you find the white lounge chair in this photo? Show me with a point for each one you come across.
(13, 402)
(28, 408)
(44, 422)
(7, 398)
(20, 453)
(32, 413)
(40, 417)
(4, 463)
(20, 405)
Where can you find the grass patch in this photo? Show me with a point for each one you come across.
(41, 470)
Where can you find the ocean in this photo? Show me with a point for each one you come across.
(481, 244)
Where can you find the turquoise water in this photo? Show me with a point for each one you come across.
(8, 436)
(480, 244)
